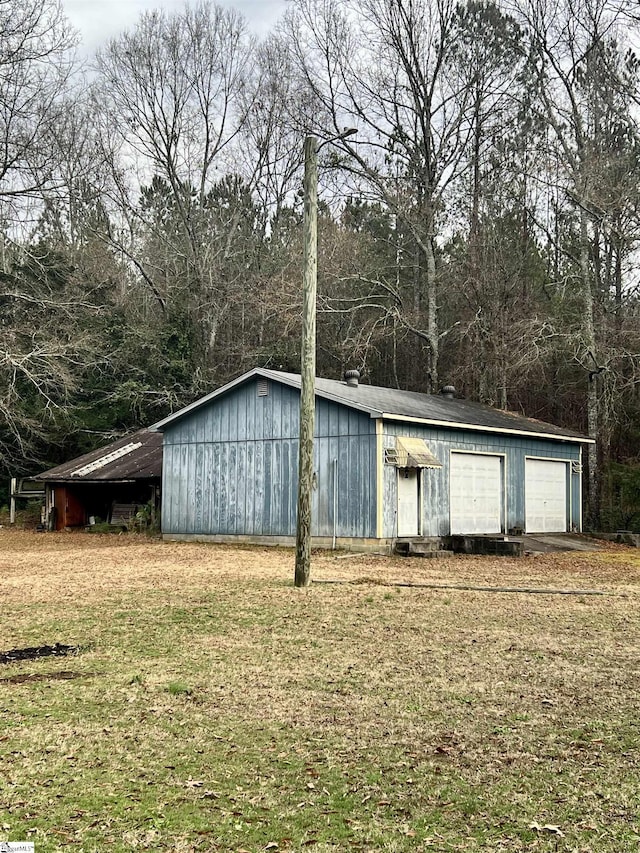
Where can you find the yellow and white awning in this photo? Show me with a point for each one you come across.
(411, 453)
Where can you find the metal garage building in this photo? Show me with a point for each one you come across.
(388, 464)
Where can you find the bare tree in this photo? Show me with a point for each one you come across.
(569, 41)
(38, 351)
(35, 64)
(175, 97)
(382, 66)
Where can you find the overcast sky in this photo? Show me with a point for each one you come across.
(98, 20)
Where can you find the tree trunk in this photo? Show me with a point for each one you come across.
(593, 399)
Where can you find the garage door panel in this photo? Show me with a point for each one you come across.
(476, 493)
(545, 496)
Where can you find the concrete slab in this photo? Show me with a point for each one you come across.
(546, 543)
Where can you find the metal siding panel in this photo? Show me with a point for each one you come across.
(285, 486)
(373, 473)
(332, 484)
(322, 418)
(293, 485)
(250, 481)
(216, 487)
(294, 406)
(208, 429)
(364, 497)
(191, 430)
(174, 435)
(343, 421)
(169, 488)
(232, 487)
(258, 421)
(224, 493)
(389, 494)
(321, 498)
(276, 488)
(515, 489)
(354, 422)
(343, 487)
(258, 497)
(181, 476)
(353, 483)
(266, 512)
(186, 490)
(430, 501)
(285, 415)
(179, 515)
(224, 420)
(216, 422)
(333, 414)
(198, 486)
(165, 506)
(576, 497)
(267, 417)
(240, 414)
(206, 487)
(368, 474)
(191, 486)
(251, 403)
(276, 413)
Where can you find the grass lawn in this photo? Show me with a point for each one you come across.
(213, 707)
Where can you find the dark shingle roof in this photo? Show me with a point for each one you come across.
(134, 457)
(393, 404)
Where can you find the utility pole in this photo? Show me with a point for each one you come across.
(308, 362)
(308, 358)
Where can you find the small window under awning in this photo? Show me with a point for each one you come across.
(411, 453)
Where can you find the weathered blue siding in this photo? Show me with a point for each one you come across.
(435, 481)
(231, 467)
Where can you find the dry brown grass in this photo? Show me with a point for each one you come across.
(355, 715)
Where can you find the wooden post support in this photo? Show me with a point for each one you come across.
(12, 501)
(308, 363)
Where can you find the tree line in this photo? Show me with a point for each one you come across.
(482, 227)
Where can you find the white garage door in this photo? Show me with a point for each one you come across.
(476, 493)
(545, 486)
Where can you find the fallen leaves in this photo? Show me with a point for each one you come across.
(547, 827)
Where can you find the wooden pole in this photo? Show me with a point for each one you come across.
(308, 363)
(12, 501)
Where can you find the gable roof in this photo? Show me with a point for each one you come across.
(133, 457)
(393, 404)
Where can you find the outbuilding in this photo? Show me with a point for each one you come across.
(109, 483)
(388, 464)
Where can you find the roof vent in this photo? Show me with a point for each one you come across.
(351, 377)
(448, 392)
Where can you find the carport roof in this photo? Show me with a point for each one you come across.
(137, 456)
(396, 405)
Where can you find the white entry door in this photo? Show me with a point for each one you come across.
(545, 484)
(408, 501)
(475, 489)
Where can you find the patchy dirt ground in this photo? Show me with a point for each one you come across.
(44, 566)
(211, 706)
